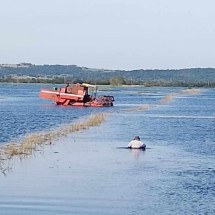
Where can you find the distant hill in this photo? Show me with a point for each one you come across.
(73, 73)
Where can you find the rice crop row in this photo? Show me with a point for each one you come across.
(171, 96)
(142, 107)
(165, 100)
(191, 91)
(31, 142)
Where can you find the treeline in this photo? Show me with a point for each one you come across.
(196, 77)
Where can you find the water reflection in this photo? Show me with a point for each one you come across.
(137, 153)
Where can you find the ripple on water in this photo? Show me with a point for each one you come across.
(174, 176)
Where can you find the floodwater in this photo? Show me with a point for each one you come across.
(88, 173)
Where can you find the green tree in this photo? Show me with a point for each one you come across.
(117, 81)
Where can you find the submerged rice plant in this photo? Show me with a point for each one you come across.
(191, 91)
(166, 99)
(171, 96)
(142, 107)
(31, 142)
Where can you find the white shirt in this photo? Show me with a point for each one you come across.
(136, 144)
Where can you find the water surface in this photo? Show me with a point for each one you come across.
(86, 173)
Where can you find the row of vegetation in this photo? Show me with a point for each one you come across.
(163, 101)
(33, 142)
(114, 81)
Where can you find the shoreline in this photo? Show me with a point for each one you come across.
(145, 85)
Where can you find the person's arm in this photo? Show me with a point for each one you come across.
(130, 144)
(143, 144)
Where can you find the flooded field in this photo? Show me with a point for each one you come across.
(86, 172)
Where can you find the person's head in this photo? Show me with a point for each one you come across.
(136, 138)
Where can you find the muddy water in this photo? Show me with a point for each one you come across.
(86, 173)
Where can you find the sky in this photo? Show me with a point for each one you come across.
(109, 34)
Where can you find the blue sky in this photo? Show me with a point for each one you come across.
(111, 34)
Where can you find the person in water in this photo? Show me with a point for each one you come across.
(136, 143)
(66, 88)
